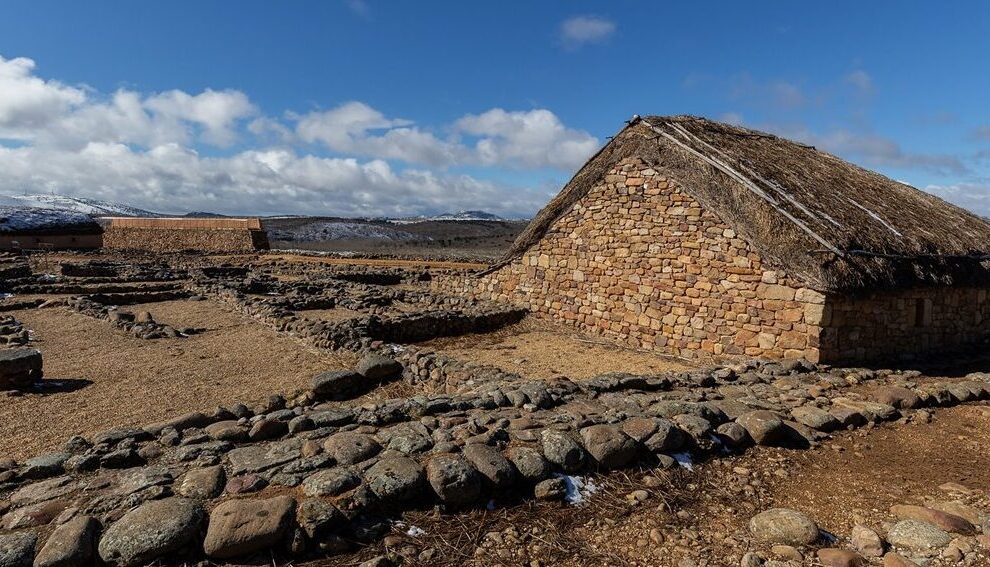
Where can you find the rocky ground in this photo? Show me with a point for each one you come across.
(412, 457)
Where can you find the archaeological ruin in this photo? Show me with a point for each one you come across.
(189, 234)
(707, 240)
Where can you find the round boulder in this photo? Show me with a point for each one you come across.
(784, 526)
(609, 446)
(396, 479)
(562, 450)
(454, 480)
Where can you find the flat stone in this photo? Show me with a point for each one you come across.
(866, 541)
(667, 438)
(44, 490)
(349, 447)
(784, 526)
(408, 438)
(40, 514)
(17, 549)
(396, 479)
(258, 458)
(918, 536)
(150, 531)
(337, 384)
(897, 560)
(331, 482)
(229, 430)
(937, 518)
(241, 527)
(609, 446)
(203, 483)
(70, 544)
(815, 418)
(896, 396)
(378, 368)
(550, 489)
(118, 434)
(454, 479)
(492, 465)
(265, 429)
(45, 466)
(245, 484)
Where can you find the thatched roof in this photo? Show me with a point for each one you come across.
(826, 222)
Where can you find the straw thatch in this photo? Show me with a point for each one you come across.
(826, 222)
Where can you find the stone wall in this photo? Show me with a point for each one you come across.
(639, 260)
(904, 324)
(178, 239)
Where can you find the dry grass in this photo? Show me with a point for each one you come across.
(540, 349)
(112, 379)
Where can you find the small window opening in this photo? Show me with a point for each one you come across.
(921, 312)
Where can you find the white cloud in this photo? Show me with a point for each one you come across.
(972, 196)
(519, 139)
(172, 178)
(580, 30)
(861, 80)
(142, 148)
(534, 138)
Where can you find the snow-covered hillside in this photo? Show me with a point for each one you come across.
(339, 230)
(92, 207)
(458, 216)
(24, 219)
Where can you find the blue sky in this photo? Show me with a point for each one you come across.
(362, 107)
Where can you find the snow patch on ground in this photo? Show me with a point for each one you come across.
(684, 460)
(578, 488)
(94, 207)
(340, 230)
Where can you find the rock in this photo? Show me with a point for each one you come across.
(331, 482)
(242, 527)
(378, 368)
(229, 430)
(17, 549)
(408, 438)
(971, 514)
(667, 438)
(203, 484)
(186, 421)
(815, 418)
(454, 480)
(258, 458)
(609, 446)
(529, 463)
(896, 396)
(44, 490)
(245, 484)
(349, 448)
(150, 531)
(265, 429)
(784, 526)
(496, 469)
(337, 384)
(319, 518)
(896, 560)
(380, 561)
(396, 479)
(751, 559)
(831, 557)
(19, 368)
(39, 514)
(764, 427)
(45, 466)
(917, 536)
(866, 541)
(787, 553)
(732, 434)
(71, 544)
(562, 450)
(550, 489)
(937, 518)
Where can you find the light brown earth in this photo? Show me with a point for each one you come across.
(138, 381)
(539, 349)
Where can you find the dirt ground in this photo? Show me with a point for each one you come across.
(539, 349)
(108, 378)
(699, 517)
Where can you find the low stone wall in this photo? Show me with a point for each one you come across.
(904, 324)
(179, 239)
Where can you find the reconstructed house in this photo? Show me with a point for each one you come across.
(702, 239)
(182, 234)
(28, 228)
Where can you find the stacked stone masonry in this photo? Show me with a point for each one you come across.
(639, 260)
(179, 239)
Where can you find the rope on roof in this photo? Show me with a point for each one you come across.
(745, 181)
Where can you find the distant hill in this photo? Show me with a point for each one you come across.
(91, 207)
(204, 215)
(466, 216)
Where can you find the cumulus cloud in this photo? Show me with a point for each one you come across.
(520, 139)
(172, 178)
(581, 30)
(143, 148)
